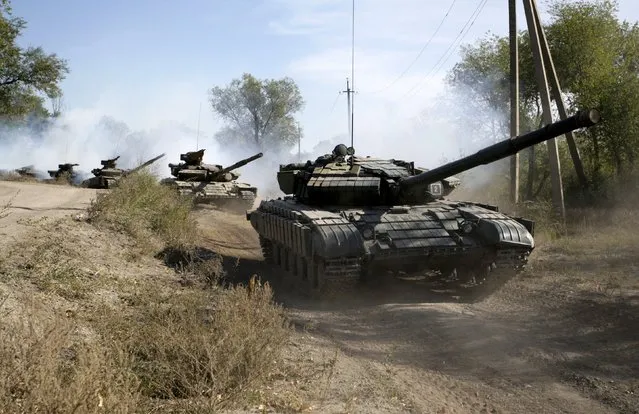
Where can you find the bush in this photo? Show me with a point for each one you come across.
(209, 347)
(51, 262)
(46, 367)
(144, 208)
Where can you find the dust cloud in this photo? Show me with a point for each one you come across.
(440, 133)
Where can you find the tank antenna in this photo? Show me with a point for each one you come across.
(353, 72)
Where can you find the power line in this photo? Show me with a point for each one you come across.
(460, 37)
(420, 52)
(335, 103)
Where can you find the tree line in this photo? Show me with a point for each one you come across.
(596, 56)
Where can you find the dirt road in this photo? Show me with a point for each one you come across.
(537, 346)
(31, 200)
(541, 345)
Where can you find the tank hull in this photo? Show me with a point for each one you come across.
(222, 194)
(325, 250)
(100, 182)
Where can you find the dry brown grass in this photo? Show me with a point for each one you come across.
(51, 263)
(132, 336)
(143, 208)
(14, 176)
(4, 208)
(207, 349)
(45, 366)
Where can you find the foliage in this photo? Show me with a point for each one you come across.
(260, 113)
(25, 73)
(596, 59)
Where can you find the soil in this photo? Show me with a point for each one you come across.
(557, 339)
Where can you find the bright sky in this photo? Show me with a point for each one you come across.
(148, 61)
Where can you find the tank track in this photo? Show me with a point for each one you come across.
(491, 276)
(319, 278)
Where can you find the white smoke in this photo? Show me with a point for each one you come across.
(86, 136)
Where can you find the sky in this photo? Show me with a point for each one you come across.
(146, 62)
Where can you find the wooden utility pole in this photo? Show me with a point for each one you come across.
(556, 94)
(542, 83)
(514, 96)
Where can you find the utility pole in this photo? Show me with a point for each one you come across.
(556, 95)
(542, 83)
(514, 97)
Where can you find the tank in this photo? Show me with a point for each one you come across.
(212, 184)
(108, 176)
(27, 172)
(64, 172)
(347, 219)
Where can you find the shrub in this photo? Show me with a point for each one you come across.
(144, 208)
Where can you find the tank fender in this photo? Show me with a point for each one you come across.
(528, 224)
(337, 240)
(497, 229)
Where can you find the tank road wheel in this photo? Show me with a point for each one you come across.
(267, 249)
(328, 279)
(484, 281)
(277, 254)
(301, 270)
(316, 277)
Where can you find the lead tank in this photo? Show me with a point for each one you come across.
(347, 218)
(212, 183)
(108, 176)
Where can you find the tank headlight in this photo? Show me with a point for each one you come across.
(367, 233)
(467, 227)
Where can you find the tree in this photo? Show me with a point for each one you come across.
(597, 62)
(259, 112)
(25, 73)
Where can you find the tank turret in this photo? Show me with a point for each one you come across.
(341, 178)
(109, 174)
(192, 168)
(211, 183)
(348, 219)
(64, 171)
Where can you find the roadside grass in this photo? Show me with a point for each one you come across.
(89, 330)
(147, 211)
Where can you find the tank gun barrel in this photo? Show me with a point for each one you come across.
(139, 167)
(240, 163)
(505, 148)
